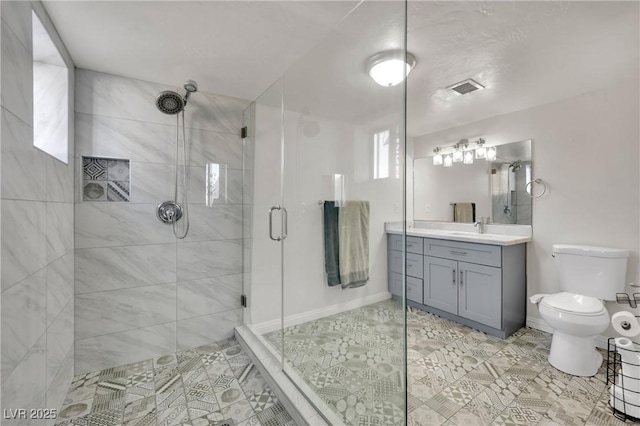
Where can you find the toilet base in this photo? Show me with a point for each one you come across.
(574, 355)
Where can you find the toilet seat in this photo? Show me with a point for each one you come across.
(574, 304)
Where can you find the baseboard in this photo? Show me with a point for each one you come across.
(291, 320)
(540, 324)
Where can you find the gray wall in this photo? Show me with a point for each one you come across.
(139, 291)
(37, 234)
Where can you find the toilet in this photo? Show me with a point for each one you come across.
(587, 276)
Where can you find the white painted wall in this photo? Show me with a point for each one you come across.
(586, 150)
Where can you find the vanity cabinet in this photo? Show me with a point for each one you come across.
(480, 285)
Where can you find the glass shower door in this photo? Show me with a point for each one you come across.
(343, 145)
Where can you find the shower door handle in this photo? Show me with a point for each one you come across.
(271, 223)
(285, 223)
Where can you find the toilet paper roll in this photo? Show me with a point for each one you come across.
(625, 323)
(630, 364)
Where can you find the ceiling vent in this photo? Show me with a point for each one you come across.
(467, 86)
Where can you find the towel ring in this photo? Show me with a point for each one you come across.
(529, 188)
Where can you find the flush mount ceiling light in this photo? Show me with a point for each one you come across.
(389, 68)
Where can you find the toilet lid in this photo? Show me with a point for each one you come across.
(574, 303)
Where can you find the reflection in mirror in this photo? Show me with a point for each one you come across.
(496, 187)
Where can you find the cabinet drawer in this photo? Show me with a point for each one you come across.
(414, 289)
(482, 254)
(414, 244)
(395, 284)
(414, 263)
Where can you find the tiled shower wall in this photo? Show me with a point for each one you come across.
(37, 234)
(140, 292)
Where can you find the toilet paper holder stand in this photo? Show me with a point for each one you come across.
(625, 299)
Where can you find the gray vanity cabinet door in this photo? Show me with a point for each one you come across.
(440, 284)
(480, 293)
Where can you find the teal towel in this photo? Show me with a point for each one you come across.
(331, 243)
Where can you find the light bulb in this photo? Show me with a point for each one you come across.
(491, 153)
(448, 160)
(437, 160)
(457, 156)
(481, 152)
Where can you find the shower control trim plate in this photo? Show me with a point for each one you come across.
(167, 210)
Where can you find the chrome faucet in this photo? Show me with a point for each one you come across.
(480, 226)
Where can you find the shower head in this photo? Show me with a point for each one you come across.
(170, 102)
(516, 165)
(190, 86)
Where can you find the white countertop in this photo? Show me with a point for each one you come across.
(498, 235)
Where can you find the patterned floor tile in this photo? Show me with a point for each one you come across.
(75, 409)
(238, 411)
(139, 408)
(106, 418)
(109, 401)
(518, 415)
(201, 400)
(260, 401)
(425, 416)
(77, 421)
(275, 415)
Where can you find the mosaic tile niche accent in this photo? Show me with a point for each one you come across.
(106, 179)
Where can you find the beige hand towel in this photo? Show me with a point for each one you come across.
(354, 243)
(463, 212)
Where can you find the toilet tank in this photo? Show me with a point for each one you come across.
(598, 272)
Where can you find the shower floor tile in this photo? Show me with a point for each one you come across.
(200, 387)
(353, 361)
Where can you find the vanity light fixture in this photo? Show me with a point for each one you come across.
(468, 157)
(390, 67)
(481, 150)
(458, 155)
(491, 153)
(437, 158)
(462, 152)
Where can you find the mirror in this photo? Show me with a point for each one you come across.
(497, 188)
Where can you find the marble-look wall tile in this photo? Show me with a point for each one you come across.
(23, 240)
(120, 97)
(199, 331)
(209, 259)
(60, 383)
(115, 311)
(59, 230)
(119, 224)
(230, 189)
(216, 113)
(16, 76)
(17, 15)
(217, 222)
(97, 353)
(23, 165)
(59, 180)
(24, 319)
(59, 285)
(111, 268)
(212, 147)
(59, 341)
(25, 387)
(124, 138)
(209, 296)
(152, 183)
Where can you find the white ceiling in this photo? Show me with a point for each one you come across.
(525, 53)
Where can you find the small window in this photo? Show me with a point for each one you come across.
(50, 95)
